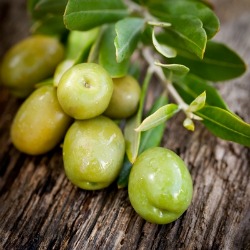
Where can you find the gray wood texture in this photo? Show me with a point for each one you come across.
(41, 209)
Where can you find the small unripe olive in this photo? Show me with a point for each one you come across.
(93, 152)
(125, 99)
(160, 186)
(30, 61)
(84, 91)
(40, 123)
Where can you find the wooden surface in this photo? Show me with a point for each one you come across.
(41, 209)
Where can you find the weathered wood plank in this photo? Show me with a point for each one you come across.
(41, 209)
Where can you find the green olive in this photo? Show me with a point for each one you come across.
(84, 91)
(125, 99)
(160, 186)
(29, 62)
(93, 152)
(40, 123)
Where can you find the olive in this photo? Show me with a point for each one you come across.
(93, 152)
(84, 91)
(30, 61)
(160, 186)
(125, 98)
(40, 123)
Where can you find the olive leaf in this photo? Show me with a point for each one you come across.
(160, 116)
(225, 124)
(51, 25)
(132, 138)
(220, 63)
(190, 86)
(165, 50)
(85, 14)
(177, 8)
(153, 137)
(176, 69)
(39, 9)
(107, 54)
(149, 138)
(185, 33)
(45, 7)
(122, 180)
(79, 44)
(198, 103)
(128, 32)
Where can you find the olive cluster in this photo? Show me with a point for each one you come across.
(80, 107)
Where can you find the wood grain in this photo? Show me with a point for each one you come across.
(41, 209)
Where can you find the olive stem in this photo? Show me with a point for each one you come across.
(148, 56)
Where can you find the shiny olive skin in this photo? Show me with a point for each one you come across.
(125, 99)
(40, 123)
(30, 61)
(160, 186)
(93, 152)
(84, 91)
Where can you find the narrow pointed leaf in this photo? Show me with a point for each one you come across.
(177, 8)
(186, 33)
(128, 32)
(41, 8)
(225, 125)
(153, 137)
(150, 138)
(177, 69)
(122, 180)
(79, 44)
(107, 54)
(190, 86)
(132, 137)
(51, 25)
(220, 63)
(165, 50)
(159, 24)
(198, 103)
(160, 116)
(87, 14)
(51, 6)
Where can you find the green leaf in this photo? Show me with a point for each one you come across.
(128, 32)
(47, 17)
(198, 103)
(225, 125)
(150, 138)
(165, 50)
(160, 116)
(107, 54)
(50, 25)
(153, 137)
(123, 177)
(87, 14)
(177, 8)
(79, 43)
(186, 33)
(190, 86)
(132, 138)
(220, 63)
(176, 69)
(31, 5)
(45, 7)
